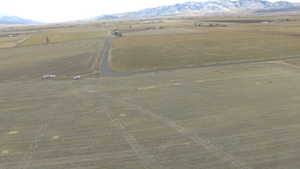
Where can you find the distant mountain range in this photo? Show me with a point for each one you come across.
(202, 8)
(209, 7)
(6, 19)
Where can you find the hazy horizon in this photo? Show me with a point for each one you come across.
(60, 11)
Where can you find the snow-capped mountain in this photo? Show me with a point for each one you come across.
(212, 6)
(7, 19)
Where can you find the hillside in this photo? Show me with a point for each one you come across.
(5, 19)
(203, 8)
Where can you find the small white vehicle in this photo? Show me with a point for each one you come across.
(48, 76)
(76, 77)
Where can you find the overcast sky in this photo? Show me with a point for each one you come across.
(64, 10)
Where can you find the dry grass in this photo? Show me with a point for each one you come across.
(9, 42)
(71, 51)
(63, 59)
(237, 116)
(216, 119)
(207, 46)
(62, 35)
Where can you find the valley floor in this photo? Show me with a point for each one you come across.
(239, 116)
(229, 116)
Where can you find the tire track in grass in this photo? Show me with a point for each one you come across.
(28, 157)
(147, 160)
(214, 149)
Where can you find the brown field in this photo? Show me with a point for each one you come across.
(9, 42)
(239, 116)
(63, 59)
(62, 35)
(242, 115)
(202, 46)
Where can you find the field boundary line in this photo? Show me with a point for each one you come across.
(288, 64)
(236, 77)
(105, 65)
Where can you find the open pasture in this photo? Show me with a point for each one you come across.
(241, 116)
(71, 50)
(63, 35)
(63, 59)
(205, 45)
(9, 41)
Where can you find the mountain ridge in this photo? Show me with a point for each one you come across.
(8, 19)
(201, 8)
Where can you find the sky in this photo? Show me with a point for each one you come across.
(66, 10)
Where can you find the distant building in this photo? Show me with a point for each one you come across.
(117, 33)
(209, 25)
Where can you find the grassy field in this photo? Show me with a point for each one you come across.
(63, 59)
(9, 42)
(212, 118)
(72, 50)
(30, 36)
(62, 35)
(242, 116)
(203, 46)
